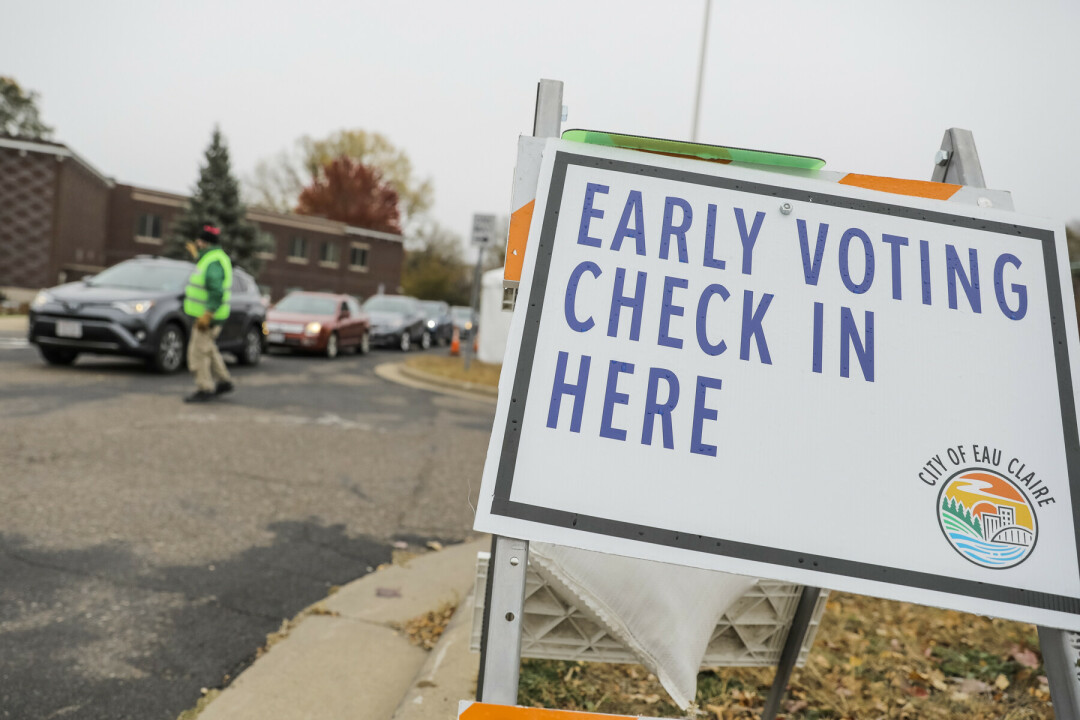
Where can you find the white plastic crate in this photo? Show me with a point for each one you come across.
(751, 632)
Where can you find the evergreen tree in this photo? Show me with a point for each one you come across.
(216, 201)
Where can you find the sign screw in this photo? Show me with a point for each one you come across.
(514, 561)
(786, 208)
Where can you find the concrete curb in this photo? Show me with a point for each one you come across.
(347, 660)
(448, 676)
(399, 373)
(447, 382)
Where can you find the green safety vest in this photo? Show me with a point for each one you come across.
(196, 295)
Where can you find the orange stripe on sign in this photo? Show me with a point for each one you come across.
(484, 711)
(520, 220)
(915, 188)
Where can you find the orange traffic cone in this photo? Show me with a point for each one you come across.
(455, 343)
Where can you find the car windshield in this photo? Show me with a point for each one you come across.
(144, 276)
(461, 313)
(308, 304)
(433, 308)
(389, 303)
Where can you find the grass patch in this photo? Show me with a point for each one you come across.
(872, 659)
(453, 368)
(206, 699)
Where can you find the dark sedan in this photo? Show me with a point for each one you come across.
(464, 319)
(439, 322)
(135, 308)
(397, 320)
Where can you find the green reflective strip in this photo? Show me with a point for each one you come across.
(197, 293)
(693, 150)
(194, 308)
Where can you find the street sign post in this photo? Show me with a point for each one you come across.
(772, 375)
(483, 230)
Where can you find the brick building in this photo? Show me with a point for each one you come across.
(61, 219)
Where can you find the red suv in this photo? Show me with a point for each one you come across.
(318, 322)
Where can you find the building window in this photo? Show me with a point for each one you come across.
(298, 250)
(329, 254)
(268, 244)
(148, 229)
(358, 257)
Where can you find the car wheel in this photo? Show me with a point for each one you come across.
(425, 340)
(405, 341)
(365, 344)
(332, 346)
(169, 352)
(251, 353)
(58, 356)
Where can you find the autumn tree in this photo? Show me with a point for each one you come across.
(435, 268)
(278, 181)
(353, 193)
(19, 114)
(216, 201)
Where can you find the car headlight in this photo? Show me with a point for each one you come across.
(134, 307)
(312, 328)
(41, 299)
(468, 324)
(431, 324)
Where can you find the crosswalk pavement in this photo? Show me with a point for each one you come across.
(13, 343)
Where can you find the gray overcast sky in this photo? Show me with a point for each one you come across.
(135, 87)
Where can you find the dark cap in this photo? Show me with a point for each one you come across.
(210, 234)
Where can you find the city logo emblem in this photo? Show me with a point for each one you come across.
(987, 518)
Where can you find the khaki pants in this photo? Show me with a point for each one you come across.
(204, 359)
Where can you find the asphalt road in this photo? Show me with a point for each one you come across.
(147, 546)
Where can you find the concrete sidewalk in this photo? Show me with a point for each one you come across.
(12, 324)
(346, 660)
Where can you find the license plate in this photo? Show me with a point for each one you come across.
(68, 329)
(276, 337)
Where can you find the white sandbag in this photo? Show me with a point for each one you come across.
(664, 613)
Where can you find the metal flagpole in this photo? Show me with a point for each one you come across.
(701, 72)
(500, 644)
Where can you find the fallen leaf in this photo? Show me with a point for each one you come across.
(716, 710)
(970, 686)
(794, 706)
(1001, 682)
(1027, 658)
(647, 699)
(434, 545)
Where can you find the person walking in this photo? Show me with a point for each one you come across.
(206, 299)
